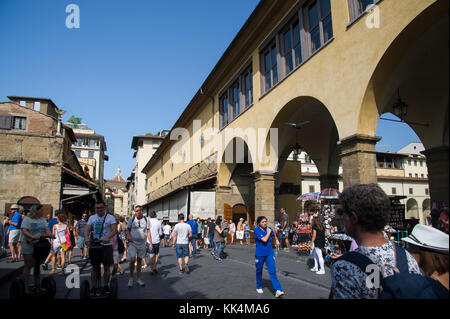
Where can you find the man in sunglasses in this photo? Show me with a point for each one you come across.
(138, 230)
(80, 227)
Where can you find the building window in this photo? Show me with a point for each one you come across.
(409, 162)
(415, 163)
(311, 188)
(78, 153)
(394, 191)
(22, 103)
(421, 163)
(248, 87)
(37, 106)
(292, 51)
(92, 143)
(171, 167)
(410, 191)
(235, 99)
(224, 110)
(416, 175)
(19, 123)
(270, 67)
(410, 174)
(319, 24)
(421, 175)
(91, 154)
(427, 191)
(357, 7)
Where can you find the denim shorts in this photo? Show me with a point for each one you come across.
(155, 249)
(182, 250)
(81, 242)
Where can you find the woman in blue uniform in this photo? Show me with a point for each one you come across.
(264, 254)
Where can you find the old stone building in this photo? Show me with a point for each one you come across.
(116, 195)
(37, 164)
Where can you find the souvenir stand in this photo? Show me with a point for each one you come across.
(304, 227)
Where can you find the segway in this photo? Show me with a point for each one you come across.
(96, 256)
(47, 290)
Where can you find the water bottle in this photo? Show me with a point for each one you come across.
(275, 252)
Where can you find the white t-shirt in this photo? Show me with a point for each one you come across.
(183, 230)
(155, 230)
(166, 229)
(138, 229)
(96, 222)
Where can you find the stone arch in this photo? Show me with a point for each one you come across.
(426, 210)
(416, 62)
(412, 209)
(28, 200)
(318, 138)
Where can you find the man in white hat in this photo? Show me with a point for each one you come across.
(14, 232)
(429, 246)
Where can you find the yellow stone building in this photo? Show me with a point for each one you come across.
(334, 66)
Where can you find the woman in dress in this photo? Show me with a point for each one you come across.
(59, 233)
(122, 230)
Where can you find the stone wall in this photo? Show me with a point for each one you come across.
(37, 180)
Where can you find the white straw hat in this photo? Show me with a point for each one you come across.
(428, 237)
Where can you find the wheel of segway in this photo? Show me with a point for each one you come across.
(114, 288)
(85, 290)
(49, 284)
(17, 289)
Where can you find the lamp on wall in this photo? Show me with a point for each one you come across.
(400, 109)
(297, 148)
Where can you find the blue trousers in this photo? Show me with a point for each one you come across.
(270, 263)
(219, 246)
(194, 245)
(211, 241)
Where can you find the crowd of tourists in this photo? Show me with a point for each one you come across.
(419, 271)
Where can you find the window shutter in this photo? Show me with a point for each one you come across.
(353, 9)
(5, 121)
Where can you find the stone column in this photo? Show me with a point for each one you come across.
(358, 159)
(265, 195)
(437, 163)
(329, 181)
(223, 194)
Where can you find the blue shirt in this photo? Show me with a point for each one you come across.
(17, 218)
(52, 222)
(194, 226)
(263, 248)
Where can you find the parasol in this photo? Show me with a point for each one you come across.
(309, 196)
(329, 193)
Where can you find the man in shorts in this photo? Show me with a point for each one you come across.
(80, 227)
(180, 241)
(156, 232)
(166, 230)
(103, 227)
(14, 232)
(138, 230)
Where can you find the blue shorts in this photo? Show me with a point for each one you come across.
(155, 249)
(80, 242)
(182, 250)
(247, 234)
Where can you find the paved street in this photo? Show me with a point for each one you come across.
(233, 278)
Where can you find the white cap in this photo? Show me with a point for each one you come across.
(428, 237)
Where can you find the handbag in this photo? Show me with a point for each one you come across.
(206, 240)
(240, 234)
(67, 236)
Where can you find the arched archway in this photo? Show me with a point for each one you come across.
(426, 210)
(415, 66)
(412, 209)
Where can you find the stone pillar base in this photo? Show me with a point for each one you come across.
(265, 196)
(358, 158)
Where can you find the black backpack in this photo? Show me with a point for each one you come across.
(401, 285)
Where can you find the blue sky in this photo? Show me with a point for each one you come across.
(132, 66)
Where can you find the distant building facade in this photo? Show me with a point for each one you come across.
(116, 195)
(90, 149)
(37, 164)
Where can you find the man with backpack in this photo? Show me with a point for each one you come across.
(357, 275)
(192, 241)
